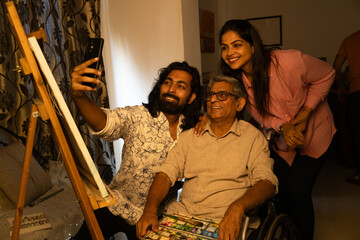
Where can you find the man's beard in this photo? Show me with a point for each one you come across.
(171, 107)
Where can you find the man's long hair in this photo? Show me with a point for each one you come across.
(191, 111)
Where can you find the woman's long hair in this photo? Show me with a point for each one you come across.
(260, 62)
(192, 111)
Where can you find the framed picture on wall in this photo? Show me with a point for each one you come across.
(207, 31)
(269, 28)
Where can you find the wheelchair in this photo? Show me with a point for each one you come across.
(273, 226)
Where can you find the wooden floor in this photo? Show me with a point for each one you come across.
(337, 203)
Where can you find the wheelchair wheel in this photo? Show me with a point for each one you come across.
(283, 228)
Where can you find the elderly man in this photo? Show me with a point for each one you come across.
(227, 169)
(148, 131)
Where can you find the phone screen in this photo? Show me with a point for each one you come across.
(93, 50)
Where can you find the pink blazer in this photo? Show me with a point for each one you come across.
(297, 80)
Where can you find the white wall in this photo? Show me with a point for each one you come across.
(191, 32)
(315, 27)
(142, 36)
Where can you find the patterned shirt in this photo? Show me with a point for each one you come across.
(146, 143)
(217, 170)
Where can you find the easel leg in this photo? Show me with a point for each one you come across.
(25, 172)
(32, 68)
(81, 195)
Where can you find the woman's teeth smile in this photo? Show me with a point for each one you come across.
(233, 59)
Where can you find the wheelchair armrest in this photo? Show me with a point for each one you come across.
(171, 196)
(265, 208)
(177, 186)
(266, 212)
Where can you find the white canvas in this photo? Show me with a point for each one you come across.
(78, 144)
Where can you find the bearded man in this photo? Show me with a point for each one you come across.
(149, 131)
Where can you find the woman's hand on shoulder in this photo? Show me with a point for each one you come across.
(200, 126)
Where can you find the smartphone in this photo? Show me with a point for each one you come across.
(93, 50)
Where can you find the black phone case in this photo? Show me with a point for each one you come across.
(93, 50)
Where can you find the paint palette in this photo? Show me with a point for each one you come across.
(179, 226)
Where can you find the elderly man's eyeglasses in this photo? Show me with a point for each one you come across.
(220, 95)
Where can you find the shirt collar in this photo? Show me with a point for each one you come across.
(235, 128)
(162, 120)
(246, 81)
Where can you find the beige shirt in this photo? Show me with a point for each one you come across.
(217, 170)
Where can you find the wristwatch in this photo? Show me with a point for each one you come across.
(281, 128)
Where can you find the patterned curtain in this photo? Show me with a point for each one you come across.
(68, 24)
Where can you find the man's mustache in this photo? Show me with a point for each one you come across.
(170, 95)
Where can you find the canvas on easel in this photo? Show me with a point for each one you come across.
(83, 158)
(82, 153)
(44, 108)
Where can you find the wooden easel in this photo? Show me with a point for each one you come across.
(44, 108)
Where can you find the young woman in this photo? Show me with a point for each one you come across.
(286, 92)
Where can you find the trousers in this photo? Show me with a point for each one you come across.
(109, 224)
(295, 188)
(353, 114)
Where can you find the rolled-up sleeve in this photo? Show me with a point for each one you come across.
(260, 164)
(116, 123)
(320, 76)
(106, 131)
